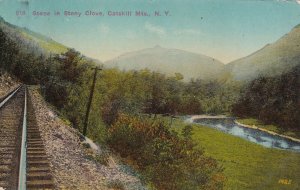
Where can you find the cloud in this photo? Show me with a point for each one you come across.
(155, 29)
(187, 32)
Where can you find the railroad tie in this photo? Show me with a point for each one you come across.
(38, 168)
(10, 139)
(38, 172)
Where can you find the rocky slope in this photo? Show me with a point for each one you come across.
(7, 83)
(73, 163)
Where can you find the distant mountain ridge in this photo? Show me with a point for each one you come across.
(169, 61)
(272, 60)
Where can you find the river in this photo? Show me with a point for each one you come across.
(265, 139)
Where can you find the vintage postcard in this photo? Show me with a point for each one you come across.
(150, 94)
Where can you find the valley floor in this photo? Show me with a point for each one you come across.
(248, 166)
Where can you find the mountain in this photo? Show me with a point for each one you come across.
(34, 42)
(169, 61)
(272, 60)
(30, 40)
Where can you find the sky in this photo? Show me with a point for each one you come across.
(223, 29)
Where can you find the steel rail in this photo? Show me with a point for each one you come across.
(31, 169)
(9, 93)
(23, 156)
(9, 96)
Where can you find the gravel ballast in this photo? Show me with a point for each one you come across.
(72, 163)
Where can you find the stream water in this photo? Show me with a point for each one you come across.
(253, 135)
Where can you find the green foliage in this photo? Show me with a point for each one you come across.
(21, 64)
(65, 81)
(44, 42)
(247, 165)
(116, 185)
(187, 132)
(273, 100)
(165, 160)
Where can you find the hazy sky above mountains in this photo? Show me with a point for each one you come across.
(223, 29)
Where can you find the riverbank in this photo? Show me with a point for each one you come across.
(239, 122)
(246, 165)
(193, 117)
(252, 124)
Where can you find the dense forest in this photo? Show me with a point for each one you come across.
(122, 100)
(273, 100)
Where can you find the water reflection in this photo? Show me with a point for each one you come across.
(253, 135)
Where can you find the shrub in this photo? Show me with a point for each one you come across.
(164, 159)
(116, 185)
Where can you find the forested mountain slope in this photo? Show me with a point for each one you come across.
(30, 40)
(272, 60)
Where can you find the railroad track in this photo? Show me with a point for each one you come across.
(23, 160)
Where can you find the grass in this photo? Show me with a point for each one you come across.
(247, 165)
(274, 128)
(47, 44)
